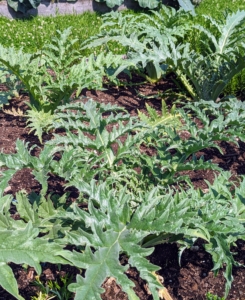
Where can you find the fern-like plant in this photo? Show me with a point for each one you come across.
(221, 57)
(159, 45)
(20, 241)
(107, 146)
(166, 118)
(54, 73)
(143, 35)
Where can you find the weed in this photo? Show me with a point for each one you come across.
(57, 289)
(210, 296)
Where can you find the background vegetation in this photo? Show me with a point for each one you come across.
(32, 33)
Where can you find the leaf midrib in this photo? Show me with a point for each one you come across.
(104, 260)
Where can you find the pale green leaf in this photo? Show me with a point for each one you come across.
(8, 281)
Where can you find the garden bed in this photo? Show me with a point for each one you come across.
(137, 160)
(190, 280)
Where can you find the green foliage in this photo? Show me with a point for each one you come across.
(145, 36)
(94, 143)
(160, 45)
(104, 147)
(208, 75)
(210, 296)
(86, 154)
(21, 241)
(219, 61)
(236, 85)
(110, 227)
(32, 33)
(152, 218)
(39, 121)
(24, 159)
(131, 205)
(218, 8)
(53, 289)
(229, 33)
(11, 84)
(54, 73)
(222, 37)
(168, 118)
(219, 243)
(116, 235)
(230, 110)
(127, 211)
(225, 125)
(42, 296)
(20, 244)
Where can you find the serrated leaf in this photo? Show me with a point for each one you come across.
(23, 246)
(39, 121)
(25, 209)
(104, 262)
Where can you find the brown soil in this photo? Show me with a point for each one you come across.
(190, 280)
